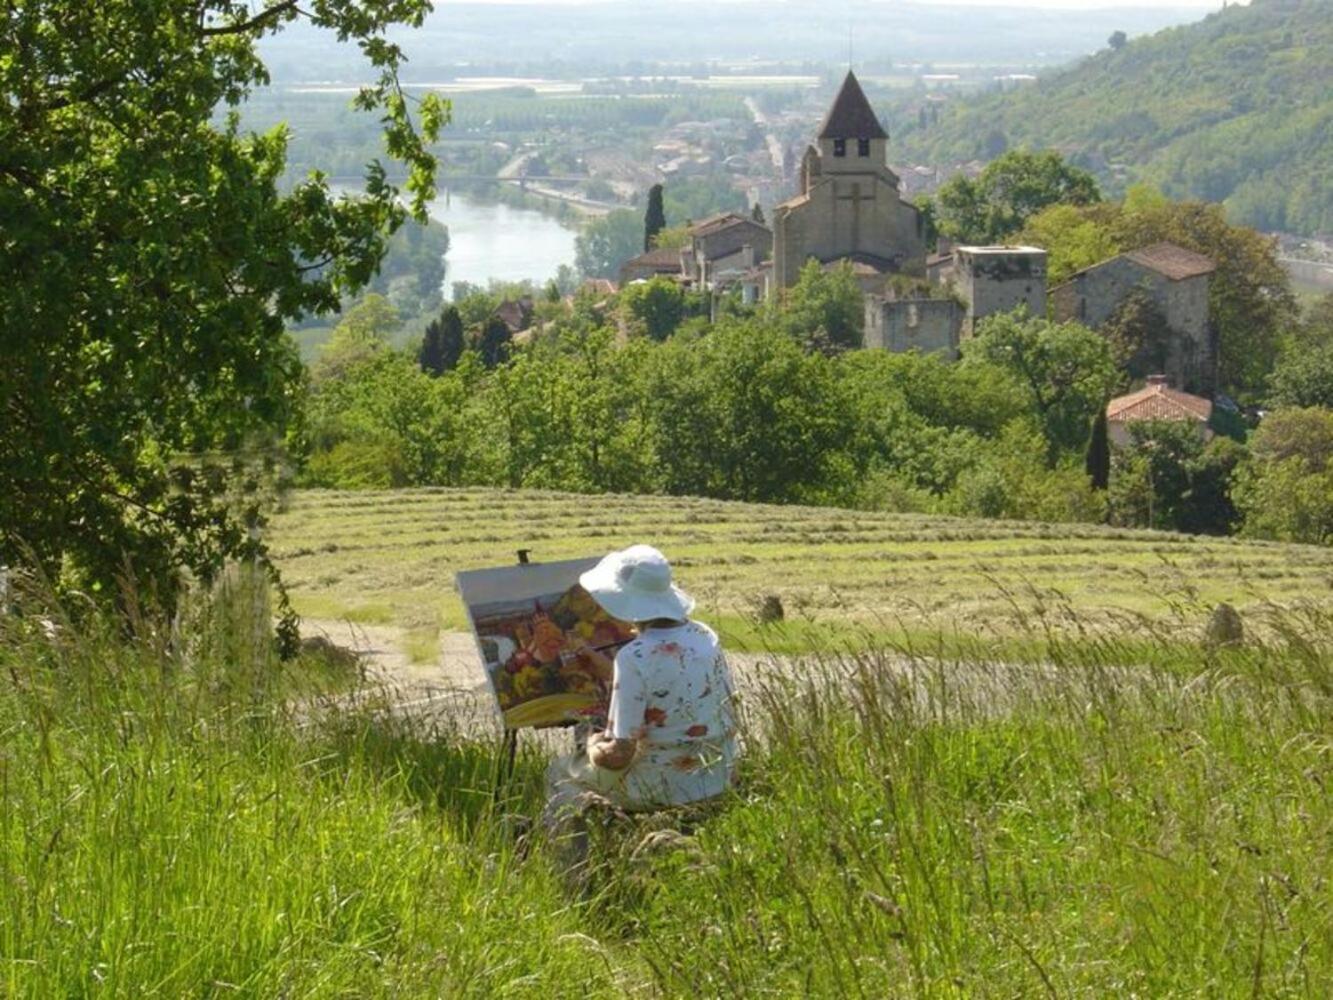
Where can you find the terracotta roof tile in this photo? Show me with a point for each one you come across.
(1158, 402)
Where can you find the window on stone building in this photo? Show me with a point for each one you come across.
(839, 147)
(862, 147)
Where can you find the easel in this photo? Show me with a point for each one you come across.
(510, 754)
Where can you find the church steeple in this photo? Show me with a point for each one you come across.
(851, 116)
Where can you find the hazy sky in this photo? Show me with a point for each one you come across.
(1063, 4)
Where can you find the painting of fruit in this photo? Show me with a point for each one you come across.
(544, 641)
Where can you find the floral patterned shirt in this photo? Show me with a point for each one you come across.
(672, 692)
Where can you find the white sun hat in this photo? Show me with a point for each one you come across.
(635, 585)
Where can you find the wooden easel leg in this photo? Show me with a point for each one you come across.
(507, 761)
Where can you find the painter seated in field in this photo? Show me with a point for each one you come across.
(670, 736)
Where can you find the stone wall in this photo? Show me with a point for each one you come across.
(926, 325)
(1092, 297)
(999, 280)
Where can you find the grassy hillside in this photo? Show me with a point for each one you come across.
(1236, 108)
(390, 558)
(901, 827)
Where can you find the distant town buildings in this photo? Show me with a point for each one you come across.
(850, 211)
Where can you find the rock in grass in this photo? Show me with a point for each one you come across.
(1224, 627)
(771, 610)
(329, 653)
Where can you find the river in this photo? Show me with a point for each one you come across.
(489, 240)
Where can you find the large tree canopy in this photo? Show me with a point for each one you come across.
(151, 265)
(1009, 190)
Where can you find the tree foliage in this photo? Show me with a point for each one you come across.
(443, 343)
(1097, 458)
(825, 308)
(1286, 491)
(606, 243)
(151, 264)
(1010, 190)
(654, 219)
(1067, 370)
(654, 307)
(1168, 477)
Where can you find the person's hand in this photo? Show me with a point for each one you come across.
(609, 753)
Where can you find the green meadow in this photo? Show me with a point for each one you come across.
(1137, 814)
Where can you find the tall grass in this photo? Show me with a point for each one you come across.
(905, 826)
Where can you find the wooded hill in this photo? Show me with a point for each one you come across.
(1236, 108)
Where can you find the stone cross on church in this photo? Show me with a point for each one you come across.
(849, 207)
(854, 199)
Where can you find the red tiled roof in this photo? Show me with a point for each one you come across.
(1158, 402)
(1172, 261)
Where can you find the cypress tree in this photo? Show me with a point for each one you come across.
(654, 220)
(757, 214)
(493, 342)
(443, 343)
(1097, 460)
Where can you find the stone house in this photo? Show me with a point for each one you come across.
(1156, 401)
(1176, 281)
(849, 206)
(722, 248)
(994, 279)
(920, 318)
(665, 261)
(516, 314)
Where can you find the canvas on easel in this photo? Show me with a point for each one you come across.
(531, 622)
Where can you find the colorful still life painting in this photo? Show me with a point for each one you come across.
(535, 627)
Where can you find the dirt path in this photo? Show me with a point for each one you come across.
(453, 689)
(455, 682)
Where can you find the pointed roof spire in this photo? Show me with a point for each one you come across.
(851, 116)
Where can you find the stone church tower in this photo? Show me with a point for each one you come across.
(849, 206)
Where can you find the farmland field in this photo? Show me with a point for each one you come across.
(389, 558)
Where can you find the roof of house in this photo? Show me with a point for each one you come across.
(661, 259)
(516, 314)
(719, 222)
(862, 264)
(1172, 261)
(598, 286)
(851, 116)
(1158, 401)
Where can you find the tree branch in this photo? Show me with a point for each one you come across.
(260, 20)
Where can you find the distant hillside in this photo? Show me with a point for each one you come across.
(1237, 108)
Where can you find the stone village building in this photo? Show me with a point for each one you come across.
(849, 206)
(964, 286)
(1176, 281)
(722, 248)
